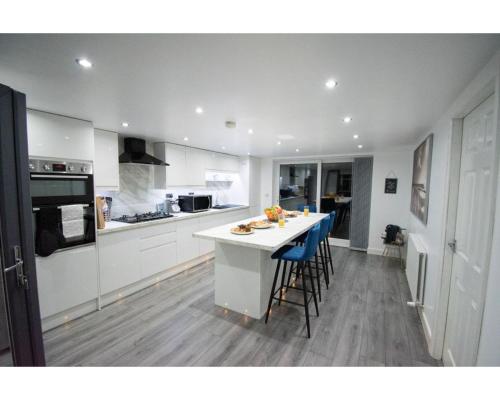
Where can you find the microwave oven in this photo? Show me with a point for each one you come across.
(195, 203)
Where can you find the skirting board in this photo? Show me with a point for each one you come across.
(66, 316)
(61, 318)
(427, 333)
(373, 250)
(119, 294)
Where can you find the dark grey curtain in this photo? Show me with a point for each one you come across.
(361, 200)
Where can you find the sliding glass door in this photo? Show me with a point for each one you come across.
(297, 185)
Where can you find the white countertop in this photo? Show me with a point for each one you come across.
(115, 226)
(264, 239)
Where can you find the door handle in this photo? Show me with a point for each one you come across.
(22, 279)
(453, 245)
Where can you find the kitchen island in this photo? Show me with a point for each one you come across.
(244, 269)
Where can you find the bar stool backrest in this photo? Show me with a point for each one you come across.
(312, 241)
(333, 215)
(324, 229)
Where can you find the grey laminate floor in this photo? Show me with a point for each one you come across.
(363, 321)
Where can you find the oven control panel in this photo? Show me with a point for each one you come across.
(60, 167)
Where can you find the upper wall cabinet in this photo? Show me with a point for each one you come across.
(196, 162)
(55, 136)
(175, 174)
(106, 166)
(224, 162)
(188, 165)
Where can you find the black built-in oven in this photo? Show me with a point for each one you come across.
(62, 195)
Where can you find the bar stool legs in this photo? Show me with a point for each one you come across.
(272, 290)
(312, 286)
(317, 276)
(306, 303)
(329, 251)
(282, 282)
(300, 272)
(324, 261)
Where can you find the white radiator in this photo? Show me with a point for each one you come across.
(416, 266)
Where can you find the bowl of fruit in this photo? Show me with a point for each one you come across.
(272, 213)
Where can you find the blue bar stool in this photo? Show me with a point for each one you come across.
(312, 207)
(326, 243)
(323, 233)
(302, 256)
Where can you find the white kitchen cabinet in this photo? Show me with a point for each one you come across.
(106, 165)
(157, 253)
(225, 162)
(176, 173)
(126, 257)
(188, 165)
(66, 279)
(118, 260)
(55, 136)
(196, 165)
(187, 246)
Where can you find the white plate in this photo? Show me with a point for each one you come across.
(262, 227)
(241, 233)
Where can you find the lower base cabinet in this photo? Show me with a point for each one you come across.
(128, 257)
(66, 279)
(71, 283)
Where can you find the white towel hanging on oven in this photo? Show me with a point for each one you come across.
(73, 224)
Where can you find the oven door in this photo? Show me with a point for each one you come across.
(61, 227)
(58, 189)
(63, 211)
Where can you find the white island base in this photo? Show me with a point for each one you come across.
(243, 278)
(244, 270)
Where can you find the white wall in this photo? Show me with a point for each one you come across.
(389, 208)
(266, 182)
(433, 234)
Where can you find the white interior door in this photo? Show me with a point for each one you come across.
(473, 236)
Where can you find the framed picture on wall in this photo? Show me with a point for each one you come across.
(422, 160)
(391, 185)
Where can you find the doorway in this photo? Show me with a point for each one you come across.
(336, 195)
(471, 246)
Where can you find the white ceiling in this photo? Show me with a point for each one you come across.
(394, 86)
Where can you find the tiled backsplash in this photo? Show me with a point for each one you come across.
(138, 195)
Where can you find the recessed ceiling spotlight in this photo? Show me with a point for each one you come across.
(330, 84)
(347, 119)
(250, 131)
(223, 147)
(360, 146)
(278, 142)
(199, 110)
(248, 153)
(83, 62)
(355, 136)
(297, 150)
(125, 124)
(186, 138)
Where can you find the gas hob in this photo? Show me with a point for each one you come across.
(150, 216)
